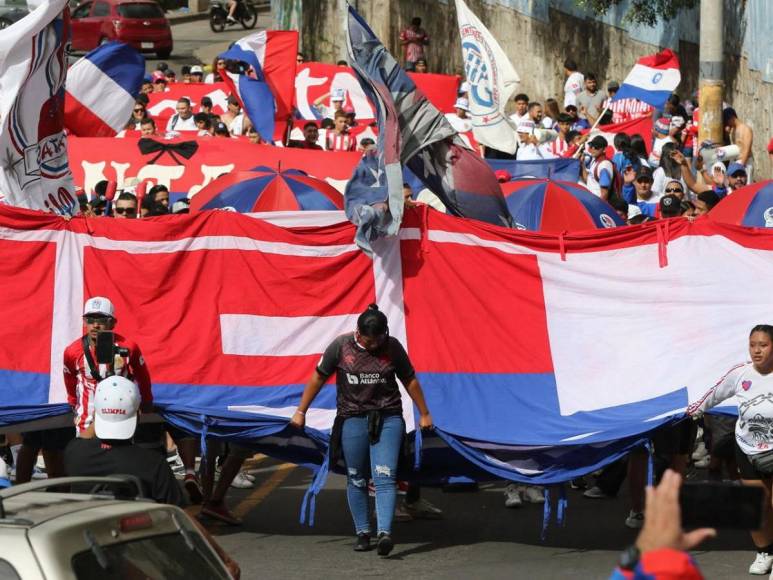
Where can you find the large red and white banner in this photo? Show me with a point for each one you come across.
(218, 299)
(95, 159)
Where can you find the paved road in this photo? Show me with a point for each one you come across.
(478, 538)
(196, 36)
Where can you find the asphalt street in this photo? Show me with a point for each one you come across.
(196, 37)
(478, 537)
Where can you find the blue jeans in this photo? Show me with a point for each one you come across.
(382, 456)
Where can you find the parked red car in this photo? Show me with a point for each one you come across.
(140, 23)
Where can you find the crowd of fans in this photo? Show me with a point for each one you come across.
(643, 177)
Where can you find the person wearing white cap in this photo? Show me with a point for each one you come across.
(528, 143)
(459, 120)
(117, 403)
(197, 74)
(337, 100)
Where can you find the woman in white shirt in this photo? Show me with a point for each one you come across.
(752, 386)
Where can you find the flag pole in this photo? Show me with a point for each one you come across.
(595, 124)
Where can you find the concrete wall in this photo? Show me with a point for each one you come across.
(537, 48)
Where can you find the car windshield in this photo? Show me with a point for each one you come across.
(144, 10)
(165, 557)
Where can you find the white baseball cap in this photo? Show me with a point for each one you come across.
(337, 95)
(99, 305)
(116, 402)
(463, 104)
(197, 69)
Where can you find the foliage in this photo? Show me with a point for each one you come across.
(645, 12)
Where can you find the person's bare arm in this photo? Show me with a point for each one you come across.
(743, 139)
(321, 99)
(417, 395)
(310, 392)
(687, 175)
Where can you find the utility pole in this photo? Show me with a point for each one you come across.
(711, 74)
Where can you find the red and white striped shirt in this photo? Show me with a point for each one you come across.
(558, 147)
(340, 141)
(81, 385)
(627, 109)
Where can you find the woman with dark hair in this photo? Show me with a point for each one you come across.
(640, 148)
(218, 71)
(668, 170)
(752, 385)
(551, 112)
(369, 418)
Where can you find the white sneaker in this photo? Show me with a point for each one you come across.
(38, 473)
(532, 494)
(700, 451)
(703, 462)
(762, 564)
(241, 482)
(635, 520)
(512, 496)
(249, 476)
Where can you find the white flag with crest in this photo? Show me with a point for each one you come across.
(492, 81)
(34, 169)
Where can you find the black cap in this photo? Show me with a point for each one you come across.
(598, 142)
(644, 173)
(670, 206)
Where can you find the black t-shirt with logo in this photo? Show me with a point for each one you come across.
(366, 381)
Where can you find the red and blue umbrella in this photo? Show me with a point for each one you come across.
(751, 205)
(265, 189)
(546, 205)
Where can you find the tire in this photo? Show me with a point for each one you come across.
(164, 54)
(249, 17)
(217, 21)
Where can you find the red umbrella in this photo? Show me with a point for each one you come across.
(265, 189)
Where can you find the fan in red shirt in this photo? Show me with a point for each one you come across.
(82, 372)
(339, 139)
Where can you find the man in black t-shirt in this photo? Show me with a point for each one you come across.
(116, 403)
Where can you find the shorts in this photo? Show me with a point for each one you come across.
(49, 439)
(745, 467)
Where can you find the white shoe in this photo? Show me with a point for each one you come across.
(700, 451)
(241, 482)
(249, 476)
(512, 496)
(635, 520)
(762, 564)
(533, 494)
(38, 473)
(703, 462)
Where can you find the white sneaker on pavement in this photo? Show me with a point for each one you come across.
(38, 473)
(421, 509)
(249, 476)
(241, 482)
(762, 564)
(635, 520)
(700, 451)
(512, 496)
(533, 494)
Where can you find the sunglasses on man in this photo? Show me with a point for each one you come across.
(129, 211)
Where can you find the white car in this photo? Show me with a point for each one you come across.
(106, 530)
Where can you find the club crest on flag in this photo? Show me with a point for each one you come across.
(477, 58)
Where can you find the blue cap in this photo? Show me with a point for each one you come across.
(735, 167)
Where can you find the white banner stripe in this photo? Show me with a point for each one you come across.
(102, 95)
(255, 335)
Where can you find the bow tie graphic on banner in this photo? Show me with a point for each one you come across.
(186, 148)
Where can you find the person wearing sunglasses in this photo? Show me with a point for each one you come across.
(125, 206)
(369, 426)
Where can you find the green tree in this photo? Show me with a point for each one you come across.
(646, 12)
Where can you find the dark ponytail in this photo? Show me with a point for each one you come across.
(766, 328)
(372, 322)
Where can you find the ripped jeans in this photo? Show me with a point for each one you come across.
(382, 456)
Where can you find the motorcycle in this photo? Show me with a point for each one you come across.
(246, 14)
